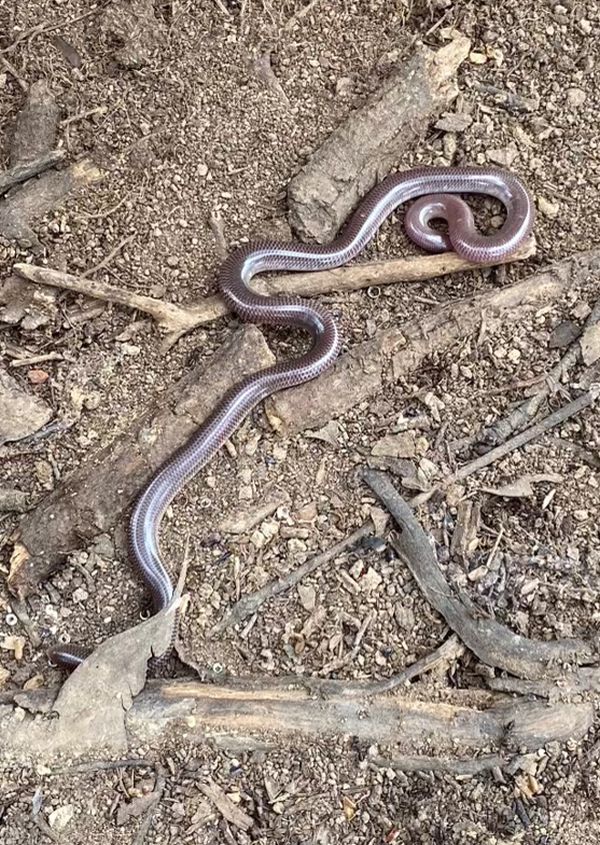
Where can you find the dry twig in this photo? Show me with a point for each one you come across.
(493, 643)
(177, 320)
(570, 410)
(502, 429)
(248, 605)
(23, 172)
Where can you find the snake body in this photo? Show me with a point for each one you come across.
(436, 191)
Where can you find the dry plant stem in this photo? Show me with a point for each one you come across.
(248, 605)
(23, 172)
(447, 653)
(225, 805)
(499, 431)
(493, 643)
(47, 27)
(106, 261)
(570, 410)
(583, 680)
(178, 320)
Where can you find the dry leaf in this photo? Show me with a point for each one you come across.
(137, 807)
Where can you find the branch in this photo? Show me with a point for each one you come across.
(551, 421)
(23, 172)
(493, 643)
(187, 710)
(372, 138)
(249, 604)
(177, 320)
(94, 498)
(502, 429)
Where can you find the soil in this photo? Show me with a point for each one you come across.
(188, 128)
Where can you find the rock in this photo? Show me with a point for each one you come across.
(12, 500)
(503, 156)
(20, 413)
(14, 644)
(44, 474)
(297, 547)
(247, 518)
(60, 818)
(344, 86)
(37, 376)
(590, 344)
(453, 122)
(402, 445)
(137, 29)
(563, 335)
(547, 208)
(575, 97)
(307, 596)
(26, 304)
(477, 58)
(370, 580)
(307, 513)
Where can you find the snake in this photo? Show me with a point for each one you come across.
(438, 195)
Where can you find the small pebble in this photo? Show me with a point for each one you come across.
(547, 208)
(576, 97)
(60, 818)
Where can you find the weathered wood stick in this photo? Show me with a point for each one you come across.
(190, 710)
(177, 319)
(23, 172)
(398, 351)
(93, 499)
(373, 138)
(492, 642)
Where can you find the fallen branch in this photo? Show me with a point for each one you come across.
(40, 196)
(23, 172)
(248, 605)
(225, 805)
(524, 413)
(373, 139)
(193, 712)
(177, 320)
(446, 654)
(493, 643)
(584, 679)
(365, 369)
(93, 499)
(551, 421)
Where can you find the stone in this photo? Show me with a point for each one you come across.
(21, 414)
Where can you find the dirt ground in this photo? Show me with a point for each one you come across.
(194, 131)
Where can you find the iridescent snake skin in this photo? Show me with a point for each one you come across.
(437, 190)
